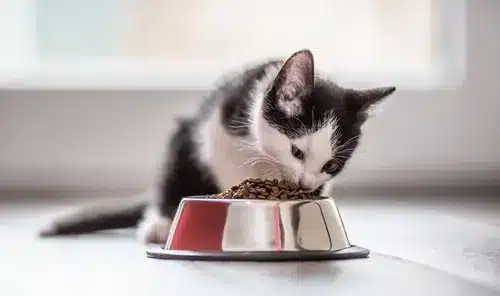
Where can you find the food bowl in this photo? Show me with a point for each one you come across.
(257, 230)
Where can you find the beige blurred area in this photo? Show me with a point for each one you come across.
(238, 31)
(154, 31)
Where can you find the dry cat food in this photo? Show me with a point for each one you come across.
(254, 188)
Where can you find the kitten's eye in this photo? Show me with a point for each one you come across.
(297, 153)
(330, 166)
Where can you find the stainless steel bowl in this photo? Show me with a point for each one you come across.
(243, 229)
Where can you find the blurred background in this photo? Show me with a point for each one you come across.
(89, 89)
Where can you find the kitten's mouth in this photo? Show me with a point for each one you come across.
(309, 190)
(314, 191)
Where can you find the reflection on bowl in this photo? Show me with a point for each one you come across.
(236, 227)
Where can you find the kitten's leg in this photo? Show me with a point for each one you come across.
(184, 176)
(153, 228)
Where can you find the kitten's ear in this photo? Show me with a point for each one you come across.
(362, 100)
(294, 83)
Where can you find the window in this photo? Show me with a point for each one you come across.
(190, 43)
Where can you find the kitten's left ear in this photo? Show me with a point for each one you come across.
(359, 101)
(294, 83)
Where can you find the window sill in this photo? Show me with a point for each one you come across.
(192, 78)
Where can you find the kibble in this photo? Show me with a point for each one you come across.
(255, 188)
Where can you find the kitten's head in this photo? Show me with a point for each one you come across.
(310, 125)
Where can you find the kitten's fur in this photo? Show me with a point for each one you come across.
(246, 128)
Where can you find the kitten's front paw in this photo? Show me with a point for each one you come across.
(153, 229)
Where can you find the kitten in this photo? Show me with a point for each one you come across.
(275, 120)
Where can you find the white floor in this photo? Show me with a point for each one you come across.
(420, 246)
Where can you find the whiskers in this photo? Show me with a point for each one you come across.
(252, 161)
(270, 172)
(238, 124)
(343, 147)
(255, 156)
(343, 152)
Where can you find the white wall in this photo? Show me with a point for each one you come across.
(110, 138)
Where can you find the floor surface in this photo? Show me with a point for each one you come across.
(420, 246)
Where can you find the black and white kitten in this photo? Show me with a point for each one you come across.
(275, 120)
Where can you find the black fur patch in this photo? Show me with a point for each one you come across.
(325, 100)
(184, 175)
(96, 218)
(237, 99)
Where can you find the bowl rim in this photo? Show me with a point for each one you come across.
(348, 253)
(207, 198)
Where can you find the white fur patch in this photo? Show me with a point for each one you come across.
(259, 91)
(317, 149)
(317, 152)
(153, 228)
